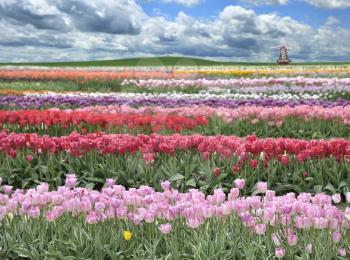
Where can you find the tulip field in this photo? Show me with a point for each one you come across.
(216, 162)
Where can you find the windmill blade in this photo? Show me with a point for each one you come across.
(292, 46)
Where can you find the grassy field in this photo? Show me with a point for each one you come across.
(159, 61)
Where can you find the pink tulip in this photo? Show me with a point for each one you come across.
(292, 240)
(336, 236)
(269, 195)
(29, 157)
(261, 187)
(7, 188)
(336, 198)
(342, 252)
(165, 185)
(71, 180)
(34, 212)
(280, 252)
(110, 182)
(165, 228)
(43, 187)
(260, 229)
(239, 183)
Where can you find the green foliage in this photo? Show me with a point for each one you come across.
(184, 169)
(71, 238)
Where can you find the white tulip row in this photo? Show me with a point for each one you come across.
(176, 95)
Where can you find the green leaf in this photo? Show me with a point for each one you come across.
(309, 178)
(318, 188)
(44, 169)
(342, 184)
(191, 183)
(330, 188)
(177, 177)
(22, 252)
(94, 179)
(90, 185)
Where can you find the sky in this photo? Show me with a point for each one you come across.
(231, 30)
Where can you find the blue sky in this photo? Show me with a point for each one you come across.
(239, 30)
(298, 10)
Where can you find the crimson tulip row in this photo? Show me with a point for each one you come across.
(205, 162)
(227, 146)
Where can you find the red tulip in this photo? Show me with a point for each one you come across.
(253, 164)
(216, 172)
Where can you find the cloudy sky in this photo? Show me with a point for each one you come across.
(242, 30)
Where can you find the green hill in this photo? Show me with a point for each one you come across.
(157, 61)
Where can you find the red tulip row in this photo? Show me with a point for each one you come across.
(151, 145)
(63, 119)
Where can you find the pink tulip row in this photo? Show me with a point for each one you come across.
(285, 214)
(274, 115)
(240, 82)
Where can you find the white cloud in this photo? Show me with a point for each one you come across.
(331, 21)
(326, 4)
(330, 4)
(114, 17)
(236, 33)
(266, 2)
(188, 3)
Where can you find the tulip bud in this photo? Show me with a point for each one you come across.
(285, 160)
(309, 248)
(235, 169)
(261, 187)
(253, 164)
(29, 157)
(336, 198)
(280, 252)
(347, 196)
(216, 172)
(342, 252)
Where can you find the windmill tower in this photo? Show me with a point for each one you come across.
(283, 59)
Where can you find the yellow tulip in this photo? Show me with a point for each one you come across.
(127, 235)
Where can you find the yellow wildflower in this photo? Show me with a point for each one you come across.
(127, 235)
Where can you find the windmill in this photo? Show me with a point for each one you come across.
(283, 58)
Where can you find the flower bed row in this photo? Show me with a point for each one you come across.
(175, 95)
(244, 72)
(226, 146)
(191, 161)
(255, 113)
(340, 84)
(13, 73)
(214, 226)
(69, 74)
(44, 119)
(67, 101)
(297, 122)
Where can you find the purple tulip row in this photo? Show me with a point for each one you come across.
(26, 102)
